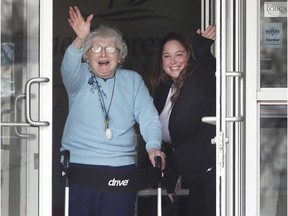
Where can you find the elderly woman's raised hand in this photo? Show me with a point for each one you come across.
(209, 32)
(78, 24)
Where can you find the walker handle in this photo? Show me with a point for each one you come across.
(158, 162)
(66, 162)
(66, 158)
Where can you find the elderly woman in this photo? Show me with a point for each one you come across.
(105, 102)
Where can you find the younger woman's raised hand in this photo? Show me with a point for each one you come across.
(209, 32)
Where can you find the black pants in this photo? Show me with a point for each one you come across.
(202, 195)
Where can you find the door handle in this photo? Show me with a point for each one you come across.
(239, 116)
(29, 122)
(212, 119)
(28, 101)
(18, 98)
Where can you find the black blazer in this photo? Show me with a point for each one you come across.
(192, 152)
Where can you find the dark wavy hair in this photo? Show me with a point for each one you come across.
(159, 75)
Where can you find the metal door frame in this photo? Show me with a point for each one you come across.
(230, 45)
(229, 140)
(45, 133)
(252, 165)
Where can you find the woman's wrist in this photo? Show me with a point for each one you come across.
(78, 42)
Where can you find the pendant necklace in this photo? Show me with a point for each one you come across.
(108, 131)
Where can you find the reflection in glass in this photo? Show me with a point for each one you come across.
(7, 68)
(273, 165)
(19, 144)
(273, 47)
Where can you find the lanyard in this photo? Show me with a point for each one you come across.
(93, 80)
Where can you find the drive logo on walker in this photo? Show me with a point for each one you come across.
(118, 183)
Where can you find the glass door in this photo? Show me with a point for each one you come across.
(26, 107)
(230, 107)
(230, 102)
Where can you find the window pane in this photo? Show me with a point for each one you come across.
(273, 47)
(273, 165)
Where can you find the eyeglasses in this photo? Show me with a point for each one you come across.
(98, 49)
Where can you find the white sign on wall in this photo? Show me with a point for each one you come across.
(272, 35)
(275, 9)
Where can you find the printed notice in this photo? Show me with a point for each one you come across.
(272, 35)
(275, 9)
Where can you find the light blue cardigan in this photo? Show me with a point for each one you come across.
(84, 132)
